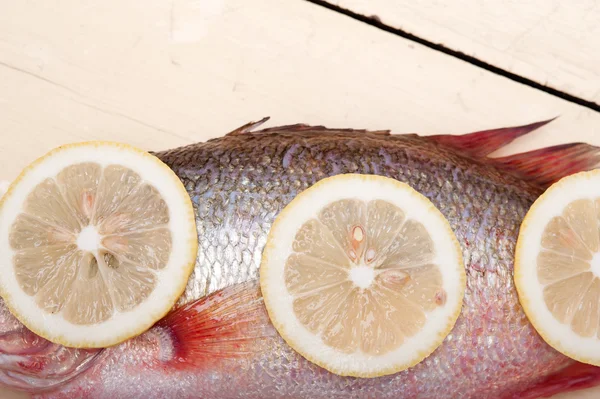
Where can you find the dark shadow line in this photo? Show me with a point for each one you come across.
(376, 22)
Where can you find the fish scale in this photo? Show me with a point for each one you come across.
(219, 343)
(451, 182)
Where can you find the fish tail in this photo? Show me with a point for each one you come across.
(483, 143)
(548, 165)
(541, 167)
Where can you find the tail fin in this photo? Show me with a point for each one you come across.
(541, 167)
(548, 165)
(483, 143)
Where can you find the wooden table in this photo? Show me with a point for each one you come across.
(159, 73)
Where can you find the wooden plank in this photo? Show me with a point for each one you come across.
(159, 74)
(554, 42)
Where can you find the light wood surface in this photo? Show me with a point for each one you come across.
(160, 74)
(552, 42)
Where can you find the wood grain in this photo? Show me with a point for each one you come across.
(161, 74)
(554, 42)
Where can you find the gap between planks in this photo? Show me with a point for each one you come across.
(376, 22)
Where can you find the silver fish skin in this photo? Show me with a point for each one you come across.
(238, 185)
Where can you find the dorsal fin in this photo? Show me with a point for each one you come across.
(301, 127)
(483, 143)
(297, 128)
(548, 165)
(248, 127)
(542, 167)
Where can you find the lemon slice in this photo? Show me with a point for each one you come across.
(362, 275)
(557, 266)
(97, 242)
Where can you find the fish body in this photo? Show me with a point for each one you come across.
(220, 344)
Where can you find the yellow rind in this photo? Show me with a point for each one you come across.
(521, 284)
(159, 312)
(282, 328)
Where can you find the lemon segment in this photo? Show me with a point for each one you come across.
(362, 275)
(557, 266)
(97, 242)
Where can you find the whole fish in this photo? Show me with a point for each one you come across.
(219, 342)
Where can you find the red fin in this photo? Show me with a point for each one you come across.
(574, 377)
(547, 165)
(230, 323)
(481, 144)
